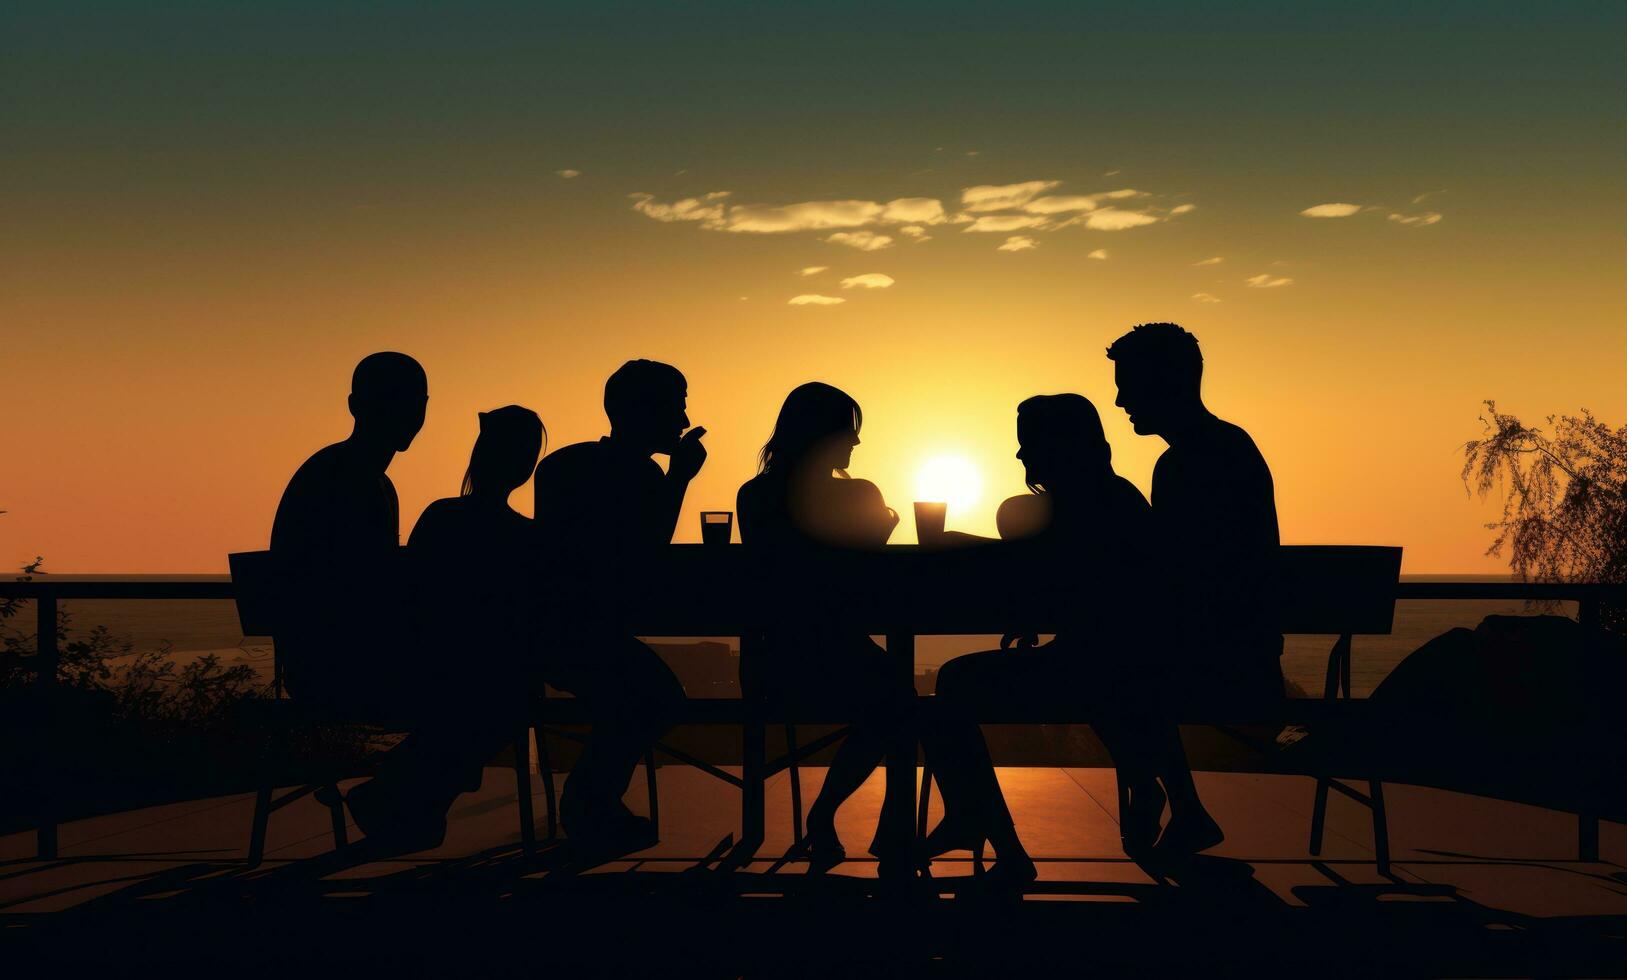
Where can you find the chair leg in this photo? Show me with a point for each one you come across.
(336, 817)
(977, 857)
(1381, 826)
(796, 784)
(650, 789)
(1319, 814)
(545, 769)
(926, 798)
(257, 832)
(522, 791)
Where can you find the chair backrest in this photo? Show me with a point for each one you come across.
(1339, 588)
(255, 584)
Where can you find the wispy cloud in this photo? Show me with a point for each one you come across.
(1335, 210)
(806, 216)
(914, 211)
(708, 208)
(1060, 204)
(1182, 208)
(814, 299)
(868, 280)
(864, 241)
(568, 174)
(717, 214)
(1006, 222)
(1264, 281)
(1118, 219)
(1206, 297)
(1018, 243)
(812, 270)
(915, 233)
(1420, 220)
(1003, 197)
(1212, 260)
(1100, 253)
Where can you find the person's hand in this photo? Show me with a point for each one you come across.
(1023, 641)
(690, 455)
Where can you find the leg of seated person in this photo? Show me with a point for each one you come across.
(632, 698)
(878, 702)
(973, 803)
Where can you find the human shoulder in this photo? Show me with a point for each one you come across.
(1126, 496)
(434, 518)
(1023, 516)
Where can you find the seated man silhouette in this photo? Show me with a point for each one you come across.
(1215, 518)
(603, 508)
(346, 639)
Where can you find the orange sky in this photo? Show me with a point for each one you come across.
(200, 241)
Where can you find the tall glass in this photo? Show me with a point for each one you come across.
(929, 519)
(717, 526)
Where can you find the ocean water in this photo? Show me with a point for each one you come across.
(194, 627)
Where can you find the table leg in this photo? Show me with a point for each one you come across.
(899, 829)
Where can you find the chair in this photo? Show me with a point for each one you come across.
(1325, 589)
(260, 594)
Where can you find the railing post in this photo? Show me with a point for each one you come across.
(46, 657)
(1587, 815)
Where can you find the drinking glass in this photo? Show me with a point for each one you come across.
(929, 518)
(717, 526)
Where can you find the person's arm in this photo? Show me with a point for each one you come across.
(686, 461)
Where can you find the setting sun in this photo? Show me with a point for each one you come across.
(951, 479)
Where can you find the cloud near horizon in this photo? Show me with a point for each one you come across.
(1422, 219)
(1212, 260)
(868, 280)
(1264, 281)
(568, 174)
(1335, 210)
(812, 270)
(986, 208)
(814, 299)
(1100, 253)
(1206, 297)
(864, 241)
(1003, 197)
(1018, 243)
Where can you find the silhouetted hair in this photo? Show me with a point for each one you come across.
(812, 413)
(1070, 420)
(1162, 347)
(511, 438)
(387, 374)
(635, 383)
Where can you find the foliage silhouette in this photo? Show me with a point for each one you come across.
(1564, 495)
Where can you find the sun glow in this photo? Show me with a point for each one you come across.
(951, 479)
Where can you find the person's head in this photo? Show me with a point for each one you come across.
(647, 402)
(816, 431)
(1159, 372)
(1061, 442)
(388, 395)
(511, 438)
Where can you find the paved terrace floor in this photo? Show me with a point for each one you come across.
(1478, 887)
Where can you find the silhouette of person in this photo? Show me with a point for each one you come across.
(801, 503)
(603, 510)
(1077, 537)
(337, 530)
(1215, 514)
(346, 638)
(473, 561)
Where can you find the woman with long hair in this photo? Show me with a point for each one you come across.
(1082, 533)
(799, 506)
(470, 560)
